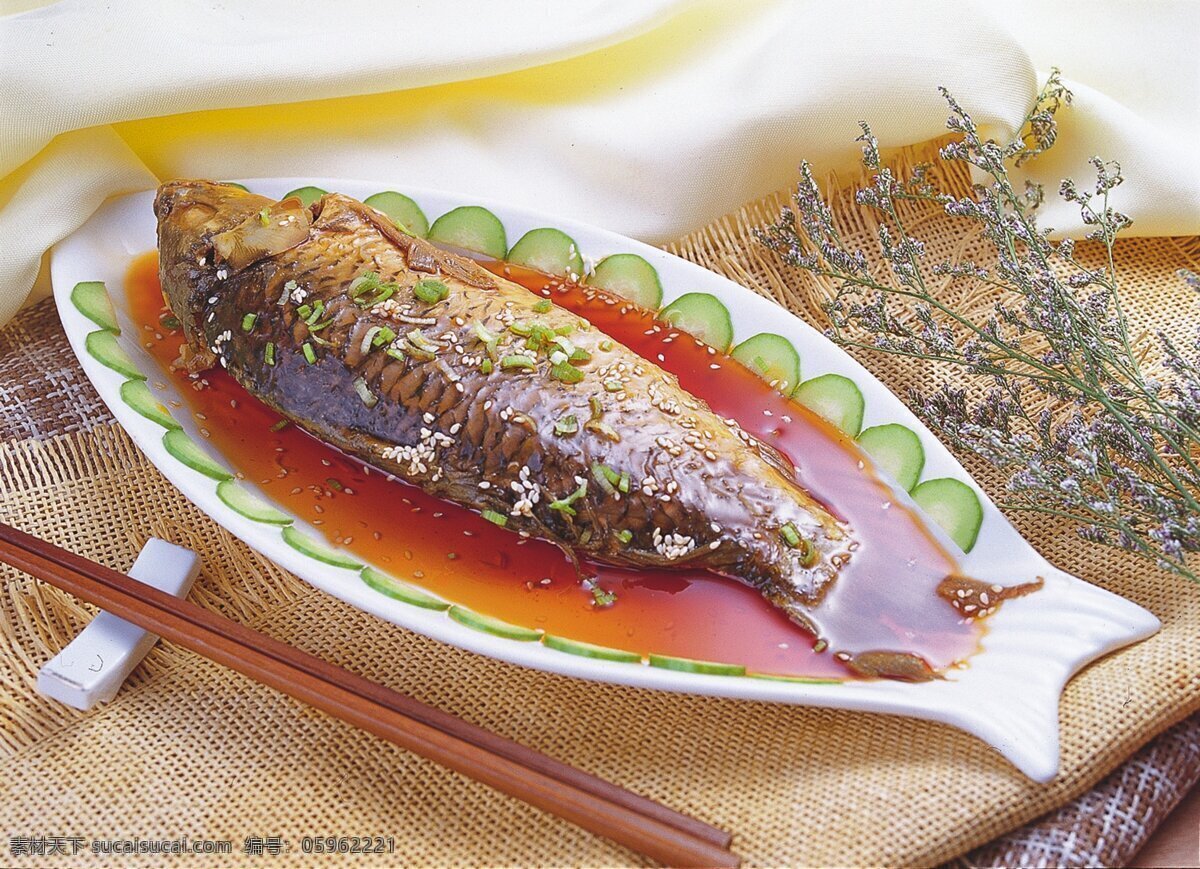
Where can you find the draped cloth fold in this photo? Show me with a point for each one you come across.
(649, 117)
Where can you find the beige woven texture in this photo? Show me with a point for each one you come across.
(188, 748)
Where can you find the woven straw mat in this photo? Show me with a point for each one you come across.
(189, 748)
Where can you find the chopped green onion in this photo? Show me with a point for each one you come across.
(430, 290)
(396, 353)
(334, 483)
(542, 307)
(606, 345)
(523, 362)
(486, 366)
(417, 338)
(598, 473)
(317, 339)
(624, 535)
(602, 597)
(603, 429)
(385, 336)
(385, 292)
(790, 535)
(522, 329)
(623, 483)
(494, 517)
(483, 333)
(317, 327)
(491, 347)
(361, 284)
(563, 505)
(597, 408)
(808, 553)
(364, 392)
(304, 311)
(264, 217)
(269, 353)
(568, 425)
(566, 372)
(541, 335)
(280, 425)
(564, 330)
(248, 322)
(309, 354)
(315, 314)
(369, 338)
(613, 385)
(579, 355)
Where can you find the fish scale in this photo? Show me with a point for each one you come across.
(225, 253)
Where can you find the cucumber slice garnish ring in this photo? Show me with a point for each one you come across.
(490, 625)
(630, 277)
(103, 347)
(241, 500)
(703, 316)
(403, 211)
(306, 195)
(190, 453)
(549, 251)
(91, 299)
(306, 545)
(473, 228)
(138, 396)
(835, 398)
(773, 358)
(688, 665)
(401, 591)
(954, 506)
(589, 650)
(897, 451)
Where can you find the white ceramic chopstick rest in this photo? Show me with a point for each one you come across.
(94, 665)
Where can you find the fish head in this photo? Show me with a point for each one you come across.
(210, 232)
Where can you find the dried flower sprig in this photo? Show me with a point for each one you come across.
(1067, 409)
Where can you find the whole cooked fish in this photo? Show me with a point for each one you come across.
(481, 392)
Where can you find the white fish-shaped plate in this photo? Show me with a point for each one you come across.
(1008, 692)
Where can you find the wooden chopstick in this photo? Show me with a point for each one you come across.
(588, 801)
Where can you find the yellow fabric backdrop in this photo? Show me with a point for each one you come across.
(646, 116)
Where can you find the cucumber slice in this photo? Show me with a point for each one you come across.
(473, 228)
(401, 591)
(547, 250)
(588, 650)
(629, 276)
(836, 398)
(193, 455)
(402, 210)
(954, 506)
(687, 665)
(306, 195)
(301, 542)
(104, 348)
(897, 450)
(489, 625)
(803, 680)
(235, 184)
(703, 316)
(137, 395)
(91, 299)
(773, 358)
(241, 500)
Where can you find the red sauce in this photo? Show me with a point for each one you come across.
(884, 599)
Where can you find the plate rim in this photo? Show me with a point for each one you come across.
(972, 700)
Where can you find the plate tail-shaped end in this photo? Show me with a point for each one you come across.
(1053, 633)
